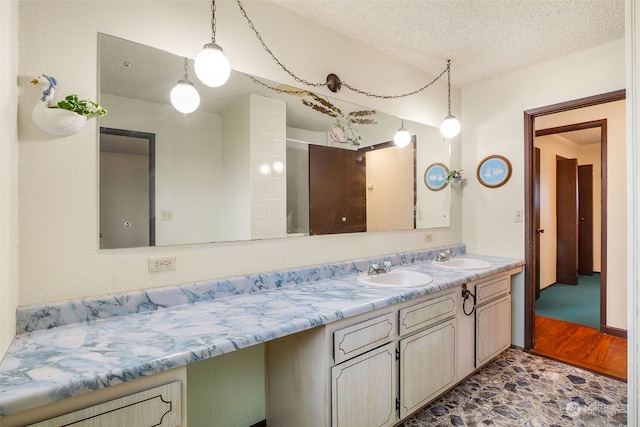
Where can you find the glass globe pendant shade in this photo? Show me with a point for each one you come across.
(184, 97)
(402, 138)
(212, 66)
(450, 126)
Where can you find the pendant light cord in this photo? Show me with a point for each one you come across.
(264, 46)
(348, 86)
(448, 70)
(402, 95)
(213, 21)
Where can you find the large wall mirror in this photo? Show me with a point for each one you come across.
(254, 161)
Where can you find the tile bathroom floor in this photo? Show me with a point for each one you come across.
(521, 389)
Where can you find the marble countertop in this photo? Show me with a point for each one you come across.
(65, 360)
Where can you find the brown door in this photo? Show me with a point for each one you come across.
(536, 217)
(567, 220)
(337, 191)
(585, 217)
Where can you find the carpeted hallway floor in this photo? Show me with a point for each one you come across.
(520, 389)
(572, 303)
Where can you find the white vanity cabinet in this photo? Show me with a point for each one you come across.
(492, 318)
(378, 368)
(370, 370)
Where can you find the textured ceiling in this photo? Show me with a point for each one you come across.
(483, 38)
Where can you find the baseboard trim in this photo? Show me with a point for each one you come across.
(616, 332)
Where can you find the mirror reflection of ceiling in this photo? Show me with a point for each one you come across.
(141, 72)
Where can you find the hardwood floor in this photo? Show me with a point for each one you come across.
(581, 346)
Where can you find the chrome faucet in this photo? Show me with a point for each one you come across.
(377, 269)
(445, 256)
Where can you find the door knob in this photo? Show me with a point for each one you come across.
(344, 219)
(539, 230)
(581, 218)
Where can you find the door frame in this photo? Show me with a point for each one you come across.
(529, 190)
(151, 138)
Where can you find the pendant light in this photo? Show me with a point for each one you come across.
(450, 126)
(184, 96)
(402, 138)
(211, 65)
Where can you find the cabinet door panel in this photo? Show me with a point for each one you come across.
(159, 406)
(427, 366)
(364, 390)
(493, 329)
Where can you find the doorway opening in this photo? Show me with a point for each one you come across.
(603, 349)
(605, 335)
(531, 233)
(570, 212)
(127, 188)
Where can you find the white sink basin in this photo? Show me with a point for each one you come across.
(463, 264)
(396, 278)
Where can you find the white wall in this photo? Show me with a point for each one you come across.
(236, 152)
(590, 154)
(492, 112)
(59, 251)
(8, 172)
(550, 146)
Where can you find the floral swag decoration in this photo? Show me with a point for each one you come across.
(344, 128)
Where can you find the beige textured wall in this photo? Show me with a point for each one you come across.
(8, 172)
(493, 124)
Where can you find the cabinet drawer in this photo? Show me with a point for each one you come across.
(354, 340)
(491, 289)
(427, 313)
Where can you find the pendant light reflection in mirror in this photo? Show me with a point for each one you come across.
(184, 96)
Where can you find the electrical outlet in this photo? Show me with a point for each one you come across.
(166, 215)
(164, 263)
(519, 216)
(428, 237)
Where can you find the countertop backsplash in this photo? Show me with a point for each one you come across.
(60, 313)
